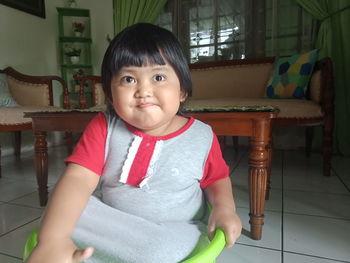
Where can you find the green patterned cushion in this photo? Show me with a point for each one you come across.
(291, 76)
(6, 99)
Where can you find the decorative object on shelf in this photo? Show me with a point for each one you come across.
(78, 28)
(77, 77)
(72, 4)
(73, 53)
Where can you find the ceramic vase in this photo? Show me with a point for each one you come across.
(74, 59)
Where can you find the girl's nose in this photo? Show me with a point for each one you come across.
(144, 89)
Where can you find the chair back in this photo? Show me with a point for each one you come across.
(98, 98)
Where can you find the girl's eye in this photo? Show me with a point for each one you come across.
(128, 79)
(158, 78)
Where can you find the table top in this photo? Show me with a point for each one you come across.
(231, 108)
(187, 110)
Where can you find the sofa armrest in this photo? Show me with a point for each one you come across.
(315, 87)
(321, 89)
(34, 90)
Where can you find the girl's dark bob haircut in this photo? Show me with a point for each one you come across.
(142, 44)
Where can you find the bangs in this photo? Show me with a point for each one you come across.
(137, 55)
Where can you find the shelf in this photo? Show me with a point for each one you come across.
(72, 39)
(68, 40)
(73, 12)
(76, 66)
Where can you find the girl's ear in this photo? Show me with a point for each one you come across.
(183, 96)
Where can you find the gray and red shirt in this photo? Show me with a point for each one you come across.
(155, 177)
(151, 207)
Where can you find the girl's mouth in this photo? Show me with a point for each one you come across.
(145, 105)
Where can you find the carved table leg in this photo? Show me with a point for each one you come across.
(258, 161)
(41, 163)
(269, 163)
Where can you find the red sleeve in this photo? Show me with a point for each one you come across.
(215, 167)
(90, 150)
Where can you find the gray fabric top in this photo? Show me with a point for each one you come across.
(162, 221)
(172, 191)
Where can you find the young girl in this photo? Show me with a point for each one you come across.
(151, 163)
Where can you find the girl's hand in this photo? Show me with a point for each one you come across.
(228, 220)
(59, 252)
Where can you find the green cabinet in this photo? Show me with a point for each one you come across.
(74, 29)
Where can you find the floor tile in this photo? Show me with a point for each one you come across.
(241, 195)
(13, 242)
(317, 236)
(271, 235)
(305, 180)
(31, 200)
(293, 258)
(247, 254)
(13, 190)
(319, 204)
(239, 176)
(346, 183)
(306, 174)
(232, 157)
(14, 216)
(296, 157)
(341, 166)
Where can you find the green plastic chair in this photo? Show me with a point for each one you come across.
(207, 254)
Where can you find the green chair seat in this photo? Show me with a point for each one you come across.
(207, 254)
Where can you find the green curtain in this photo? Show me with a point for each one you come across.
(334, 40)
(129, 12)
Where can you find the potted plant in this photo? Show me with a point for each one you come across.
(78, 28)
(73, 53)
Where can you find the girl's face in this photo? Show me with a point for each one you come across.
(148, 98)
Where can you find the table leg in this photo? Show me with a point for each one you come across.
(41, 163)
(269, 163)
(69, 142)
(258, 162)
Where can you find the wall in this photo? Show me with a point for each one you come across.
(29, 44)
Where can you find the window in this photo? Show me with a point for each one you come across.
(233, 29)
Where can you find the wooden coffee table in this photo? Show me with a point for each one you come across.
(254, 124)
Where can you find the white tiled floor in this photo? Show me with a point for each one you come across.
(307, 218)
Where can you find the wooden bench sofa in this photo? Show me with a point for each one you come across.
(31, 93)
(242, 83)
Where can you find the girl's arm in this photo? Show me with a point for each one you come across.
(64, 208)
(223, 214)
